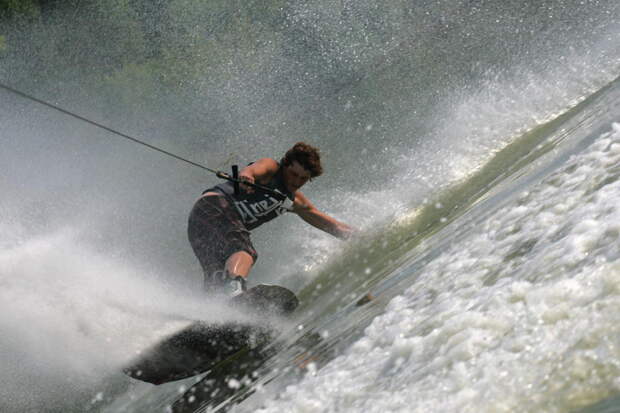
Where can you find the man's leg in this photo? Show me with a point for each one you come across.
(222, 244)
(239, 263)
(238, 266)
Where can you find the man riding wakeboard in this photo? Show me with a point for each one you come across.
(222, 218)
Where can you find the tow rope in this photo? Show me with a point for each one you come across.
(234, 178)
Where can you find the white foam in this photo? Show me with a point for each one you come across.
(71, 317)
(523, 315)
(475, 125)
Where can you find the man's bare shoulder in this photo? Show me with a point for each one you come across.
(262, 169)
(301, 204)
(268, 163)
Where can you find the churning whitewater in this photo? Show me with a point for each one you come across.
(521, 314)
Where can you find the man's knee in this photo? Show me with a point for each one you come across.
(240, 263)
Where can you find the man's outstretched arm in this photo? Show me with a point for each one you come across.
(309, 213)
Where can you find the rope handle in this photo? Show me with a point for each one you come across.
(237, 181)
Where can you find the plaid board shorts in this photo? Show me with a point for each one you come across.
(215, 232)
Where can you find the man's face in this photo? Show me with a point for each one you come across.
(295, 176)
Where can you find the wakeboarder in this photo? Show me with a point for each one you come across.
(222, 218)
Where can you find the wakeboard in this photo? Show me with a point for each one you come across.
(201, 345)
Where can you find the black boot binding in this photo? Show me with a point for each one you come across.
(224, 283)
(235, 285)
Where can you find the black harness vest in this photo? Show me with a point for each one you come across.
(259, 207)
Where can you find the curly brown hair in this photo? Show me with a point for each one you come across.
(307, 156)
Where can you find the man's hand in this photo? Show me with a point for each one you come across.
(246, 178)
(260, 172)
